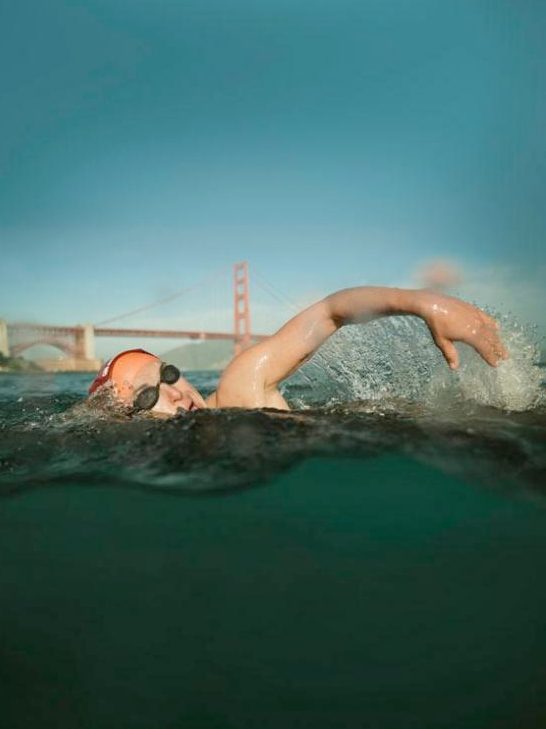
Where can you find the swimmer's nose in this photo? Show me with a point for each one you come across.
(182, 399)
(173, 393)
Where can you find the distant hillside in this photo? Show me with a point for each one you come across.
(17, 364)
(208, 355)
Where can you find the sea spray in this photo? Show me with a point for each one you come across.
(517, 384)
(395, 358)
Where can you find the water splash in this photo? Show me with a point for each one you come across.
(395, 358)
(517, 384)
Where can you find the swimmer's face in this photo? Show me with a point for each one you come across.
(133, 373)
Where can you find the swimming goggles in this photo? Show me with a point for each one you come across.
(147, 398)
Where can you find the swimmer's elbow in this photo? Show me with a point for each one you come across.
(334, 313)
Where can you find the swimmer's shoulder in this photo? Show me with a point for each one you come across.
(272, 399)
(243, 384)
(210, 401)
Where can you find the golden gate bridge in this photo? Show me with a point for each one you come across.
(77, 342)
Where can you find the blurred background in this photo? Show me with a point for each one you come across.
(146, 147)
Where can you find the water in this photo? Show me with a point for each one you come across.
(373, 558)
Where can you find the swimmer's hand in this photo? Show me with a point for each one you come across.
(452, 320)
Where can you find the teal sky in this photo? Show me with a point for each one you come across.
(145, 144)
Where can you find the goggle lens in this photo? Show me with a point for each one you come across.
(145, 400)
(169, 374)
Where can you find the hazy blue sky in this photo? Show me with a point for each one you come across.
(145, 144)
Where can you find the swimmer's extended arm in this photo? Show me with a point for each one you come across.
(449, 319)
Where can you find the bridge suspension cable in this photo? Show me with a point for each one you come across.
(166, 299)
(273, 291)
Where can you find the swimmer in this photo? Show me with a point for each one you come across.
(140, 381)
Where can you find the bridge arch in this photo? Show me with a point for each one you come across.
(65, 347)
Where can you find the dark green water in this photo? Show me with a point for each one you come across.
(351, 566)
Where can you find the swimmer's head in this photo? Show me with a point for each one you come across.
(141, 381)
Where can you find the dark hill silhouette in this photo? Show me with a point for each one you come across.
(211, 355)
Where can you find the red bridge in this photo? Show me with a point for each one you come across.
(78, 342)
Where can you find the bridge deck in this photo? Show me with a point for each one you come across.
(55, 330)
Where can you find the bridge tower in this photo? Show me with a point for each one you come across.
(85, 342)
(241, 308)
(4, 341)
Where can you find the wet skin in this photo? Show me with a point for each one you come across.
(251, 379)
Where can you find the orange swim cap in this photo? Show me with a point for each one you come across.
(133, 361)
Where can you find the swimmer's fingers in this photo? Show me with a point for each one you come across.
(501, 349)
(489, 346)
(484, 348)
(493, 341)
(488, 320)
(447, 348)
